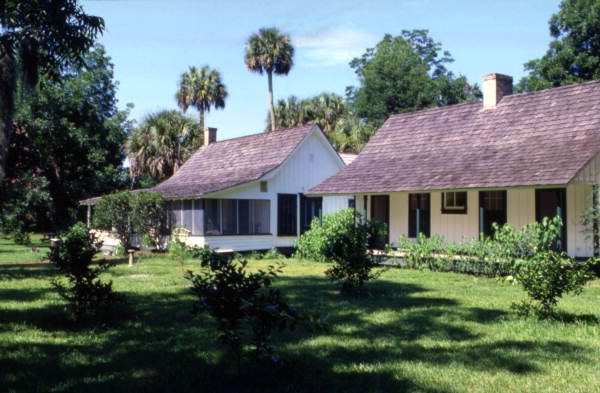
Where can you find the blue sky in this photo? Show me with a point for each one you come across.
(152, 42)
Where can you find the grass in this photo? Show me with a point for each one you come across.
(12, 253)
(412, 331)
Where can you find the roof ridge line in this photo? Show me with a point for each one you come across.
(260, 133)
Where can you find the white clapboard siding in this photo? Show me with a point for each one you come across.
(335, 203)
(521, 206)
(579, 236)
(590, 173)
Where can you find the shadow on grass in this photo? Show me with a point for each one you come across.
(15, 271)
(156, 345)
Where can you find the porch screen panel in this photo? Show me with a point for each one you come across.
(244, 224)
(261, 216)
(188, 214)
(229, 216)
(198, 224)
(175, 214)
(212, 217)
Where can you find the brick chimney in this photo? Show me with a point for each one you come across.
(496, 86)
(210, 135)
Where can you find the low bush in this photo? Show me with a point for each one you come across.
(490, 256)
(546, 277)
(86, 295)
(273, 253)
(127, 213)
(247, 309)
(21, 238)
(331, 229)
(345, 239)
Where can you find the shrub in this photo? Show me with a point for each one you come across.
(316, 243)
(248, 311)
(489, 256)
(273, 253)
(148, 216)
(21, 237)
(143, 213)
(345, 239)
(546, 277)
(178, 249)
(112, 213)
(85, 293)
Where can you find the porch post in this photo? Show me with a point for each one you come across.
(559, 240)
(89, 216)
(596, 223)
(481, 223)
(418, 211)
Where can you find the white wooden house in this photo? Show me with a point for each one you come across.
(247, 193)
(454, 170)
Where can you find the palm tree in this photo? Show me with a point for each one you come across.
(269, 51)
(201, 89)
(325, 109)
(161, 143)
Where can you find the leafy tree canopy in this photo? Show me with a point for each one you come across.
(71, 135)
(161, 143)
(46, 36)
(574, 55)
(406, 73)
(345, 131)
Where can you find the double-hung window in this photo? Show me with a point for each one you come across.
(454, 202)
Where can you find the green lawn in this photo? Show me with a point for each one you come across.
(11, 252)
(414, 332)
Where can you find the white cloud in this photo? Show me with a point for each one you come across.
(333, 47)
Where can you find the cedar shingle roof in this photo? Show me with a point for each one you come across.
(232, 162)
(537, 138)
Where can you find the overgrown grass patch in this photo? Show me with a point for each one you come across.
(414, 331)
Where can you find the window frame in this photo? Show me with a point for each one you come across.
(454, 209)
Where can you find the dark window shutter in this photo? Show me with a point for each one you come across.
(287, 215)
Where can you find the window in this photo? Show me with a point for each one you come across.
(287, 215)
(454, 202)
(352, 203)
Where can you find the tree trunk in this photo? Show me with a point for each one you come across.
(271, 109)
(8, 76)
(201, 114)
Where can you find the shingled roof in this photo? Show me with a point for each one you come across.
(232, 162)
(537, 138)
